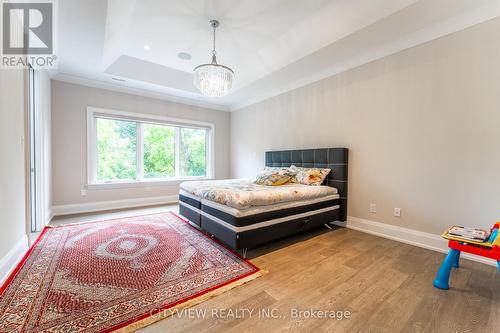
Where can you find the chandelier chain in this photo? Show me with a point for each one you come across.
(213, 49)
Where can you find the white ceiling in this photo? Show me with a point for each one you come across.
(272, 45)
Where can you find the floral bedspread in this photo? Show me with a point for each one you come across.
(243, 193)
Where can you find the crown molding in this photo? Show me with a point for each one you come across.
(74, 79)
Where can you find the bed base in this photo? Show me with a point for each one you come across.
(262, 235)
(240, 237)
(249, 236)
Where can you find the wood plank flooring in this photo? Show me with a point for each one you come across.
(385, 285)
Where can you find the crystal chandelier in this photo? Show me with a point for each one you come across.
(212, 79)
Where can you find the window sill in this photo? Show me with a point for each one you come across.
(142, 183)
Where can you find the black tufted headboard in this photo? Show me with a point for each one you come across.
(331, 158)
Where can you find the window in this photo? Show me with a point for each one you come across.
(159, 151)
(116, 149)
(126, 148)
(193, 147)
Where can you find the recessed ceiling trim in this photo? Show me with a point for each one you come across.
(135, 91)
(439, 30)
(86, 52)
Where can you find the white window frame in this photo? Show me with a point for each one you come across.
(140, 118)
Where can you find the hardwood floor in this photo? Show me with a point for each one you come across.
(386, 286)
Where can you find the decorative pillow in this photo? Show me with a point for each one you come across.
(272, 176)
(309, 176)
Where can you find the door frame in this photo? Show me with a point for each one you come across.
(33, 145)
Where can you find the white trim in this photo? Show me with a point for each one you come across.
(48, 216)
(91, 147)
(177, 151)
(139, 151)
(12, 258)
(408, 236)
(263, 223)
(211, 153)
(187, 205)
(120, 88)
(89, 207)
(151, 117)
(141, 183)
(140, 118)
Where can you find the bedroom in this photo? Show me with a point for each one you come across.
(378, 118)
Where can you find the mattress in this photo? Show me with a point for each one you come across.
(240, 220)
(244, 194)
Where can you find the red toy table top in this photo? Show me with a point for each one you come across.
(492, 252)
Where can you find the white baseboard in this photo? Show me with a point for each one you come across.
(12, 258)
(49, 215)
(406, 235)
(89, 207)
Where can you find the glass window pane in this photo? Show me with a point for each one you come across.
(116, 149)
(193, 152)
(159, 151)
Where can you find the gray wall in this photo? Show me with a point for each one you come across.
(69, 135)
(422, 127)
(15, 224)
(12, 159)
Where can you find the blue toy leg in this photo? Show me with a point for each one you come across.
(456, 264)
(498, 263)
(443, 274)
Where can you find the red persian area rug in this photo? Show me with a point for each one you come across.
(116, 274)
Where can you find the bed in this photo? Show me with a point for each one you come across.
(244, 215)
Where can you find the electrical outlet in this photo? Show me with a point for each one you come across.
(83, 191)
(397, 212)
(373, 208)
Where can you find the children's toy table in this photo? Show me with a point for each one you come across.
(489, 249)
